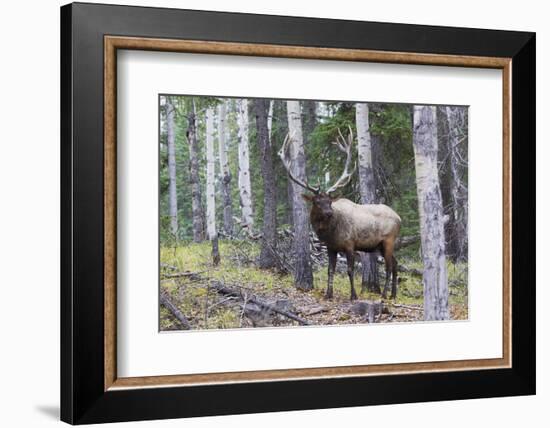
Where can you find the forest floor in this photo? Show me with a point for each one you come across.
(192, 284)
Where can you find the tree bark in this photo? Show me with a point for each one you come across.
(303, 276)
(267, 257)
(279, 128)
(225, 173)
(244, 165)
(270, 119)
(309, 109)
(210, 176)
(172, 187)
(194, 181)
(432, 235)
(458, 189)
(367, 190)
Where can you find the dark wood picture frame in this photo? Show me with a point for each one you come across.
(90, 37)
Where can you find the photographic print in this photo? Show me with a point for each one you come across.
(288, 213)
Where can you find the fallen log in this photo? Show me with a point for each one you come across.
(316, 310)
(402, 268)
(410, 271)
(252, 300)
(181, 275)
(405, 241)
(414, 308)
(167, 266)
(168, 304)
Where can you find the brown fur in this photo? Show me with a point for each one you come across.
(346, 227)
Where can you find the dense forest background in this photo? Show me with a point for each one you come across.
(224, 193)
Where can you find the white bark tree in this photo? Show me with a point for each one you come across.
(436, 293)
(225, 173)
(210, 175)
(172, 188)
(244, 165)
(211, 186)
(303, 276)
(367, 189)
(270, 119)
(194, 178)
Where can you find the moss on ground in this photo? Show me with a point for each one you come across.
(237, 267)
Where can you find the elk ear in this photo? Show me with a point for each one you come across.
(307, 197)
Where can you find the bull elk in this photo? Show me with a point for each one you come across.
(346, 227)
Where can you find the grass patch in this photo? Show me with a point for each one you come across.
(237, 266)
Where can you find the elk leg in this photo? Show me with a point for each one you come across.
(350, 256)
(394, 278)
(386, 285)
(332, 256)
(388, 258)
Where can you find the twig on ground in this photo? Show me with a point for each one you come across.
(414, 308)
(181, 275)
(167, 266)
(168, 304)
(221, 302)
(220, 288)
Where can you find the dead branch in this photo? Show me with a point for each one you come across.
(410, 271)
(316, 310)
(226, 291)
(414, 308)
(221, 302)
(192, 275)
(405, 241)
(167, 303)
(283, 266)
(403, 268)
(167, 266)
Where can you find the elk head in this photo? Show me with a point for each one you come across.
(322, 200)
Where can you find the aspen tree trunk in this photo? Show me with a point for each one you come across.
(303, 276)
(269, 229)
(434, 278)
(458, 189)
(270, 119)
(210, 175)
(172, 188)
(196, 198)
(367, 190)
(225, 174)
(211, 186)
(244, 166)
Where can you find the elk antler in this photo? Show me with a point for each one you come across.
(344, 146)
(288, 167)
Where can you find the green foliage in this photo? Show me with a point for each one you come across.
(391, 136)
(392, 122)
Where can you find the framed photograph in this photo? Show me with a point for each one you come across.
(265, 213)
